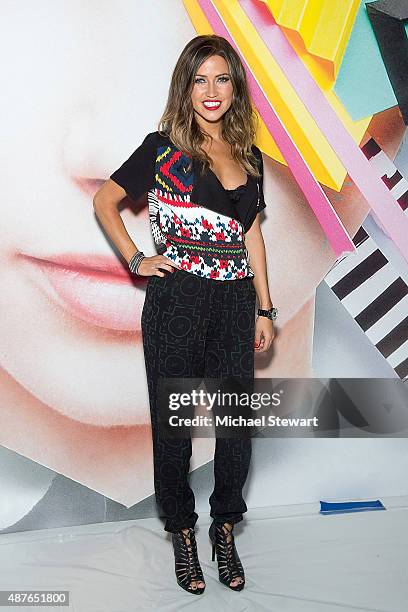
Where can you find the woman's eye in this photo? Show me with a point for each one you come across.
(200, 79)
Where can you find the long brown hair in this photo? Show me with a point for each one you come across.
(239, 123)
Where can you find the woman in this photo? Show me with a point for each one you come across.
(204, 180)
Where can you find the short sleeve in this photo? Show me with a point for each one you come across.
(261, 199)
(136, 174)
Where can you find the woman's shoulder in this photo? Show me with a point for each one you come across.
(155, 137)
(159, 137)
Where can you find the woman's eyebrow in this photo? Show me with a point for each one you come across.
(222, 74)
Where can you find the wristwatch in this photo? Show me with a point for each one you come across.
(272, 313)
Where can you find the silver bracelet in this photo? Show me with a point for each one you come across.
(135, 261)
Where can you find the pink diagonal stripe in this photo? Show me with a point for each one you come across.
(332, 226)
(379, 198)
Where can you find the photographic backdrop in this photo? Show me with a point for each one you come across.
(85, 83)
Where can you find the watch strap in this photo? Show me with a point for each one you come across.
(272, 313)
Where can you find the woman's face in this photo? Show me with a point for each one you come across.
(212, 91)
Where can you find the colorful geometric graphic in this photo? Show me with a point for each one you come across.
(324, 27)
(387, 18)
(252, 28)
(363, 85)
(310, 136)
(368, 285)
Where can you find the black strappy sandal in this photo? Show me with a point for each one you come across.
(229, 563)
(187, 565)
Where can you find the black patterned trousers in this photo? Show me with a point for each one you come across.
(195, 327)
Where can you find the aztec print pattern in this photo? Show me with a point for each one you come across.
(368, 285)
(199, 240)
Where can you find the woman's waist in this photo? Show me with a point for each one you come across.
(209, 264)
(218, 247)
(180, 273)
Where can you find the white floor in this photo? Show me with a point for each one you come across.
(295, 560)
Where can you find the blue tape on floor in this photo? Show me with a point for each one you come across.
(341, 507)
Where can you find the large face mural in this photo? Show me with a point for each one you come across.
(85, 85)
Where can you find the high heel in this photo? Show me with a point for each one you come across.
(187, 565)
(229, 563)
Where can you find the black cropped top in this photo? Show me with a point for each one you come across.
(195, 221)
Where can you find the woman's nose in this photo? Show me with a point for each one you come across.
(211, 90)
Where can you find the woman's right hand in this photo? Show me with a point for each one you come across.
(152, 266)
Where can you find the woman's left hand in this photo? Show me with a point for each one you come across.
(264, 334)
